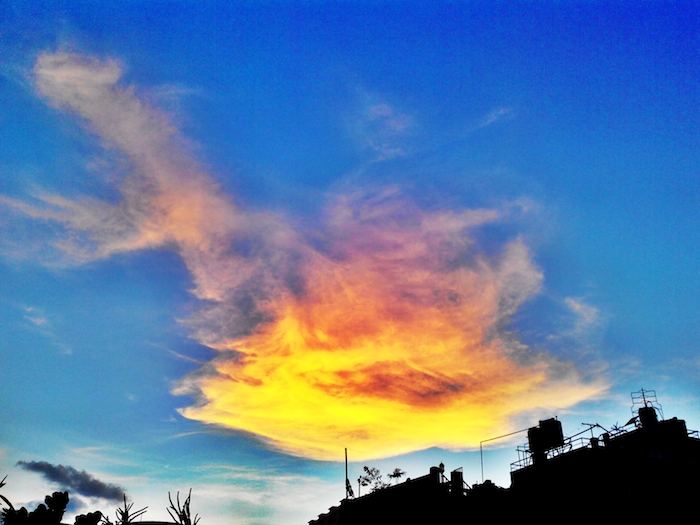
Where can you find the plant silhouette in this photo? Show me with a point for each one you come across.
(48, 513)
(181, 514)
(2, 484)
(373, 479)
(51, 512)
(124, 515)
(91, 518)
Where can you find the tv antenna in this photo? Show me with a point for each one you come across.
(645, 398)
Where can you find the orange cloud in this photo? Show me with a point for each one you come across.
(380, 332)
(391, 346)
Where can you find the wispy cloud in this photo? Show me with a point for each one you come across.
(174, 92)
(496, 115)
(587, 316)
(102, 455)
(34, 316)
(381, 128)
(384, 328)
(41, 323)
(74, 480)
(178, 355)
(254, 493)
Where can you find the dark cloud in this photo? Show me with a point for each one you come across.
(74, 480)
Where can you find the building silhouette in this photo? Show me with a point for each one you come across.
(647, 471)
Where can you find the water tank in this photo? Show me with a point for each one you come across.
(647, 416)
(457, 482)
(546, 436)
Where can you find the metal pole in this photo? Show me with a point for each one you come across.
(481, 449)
(481, 455)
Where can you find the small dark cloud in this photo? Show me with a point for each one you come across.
(74, 480)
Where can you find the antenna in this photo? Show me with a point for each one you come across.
(645, 399)
(348, 488)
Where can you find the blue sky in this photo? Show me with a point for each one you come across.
(517, 182)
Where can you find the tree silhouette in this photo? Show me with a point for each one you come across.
(397, 474)
(373, 479)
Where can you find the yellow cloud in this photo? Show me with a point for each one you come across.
(391, 346)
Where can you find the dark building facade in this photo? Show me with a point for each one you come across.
(649, 473)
